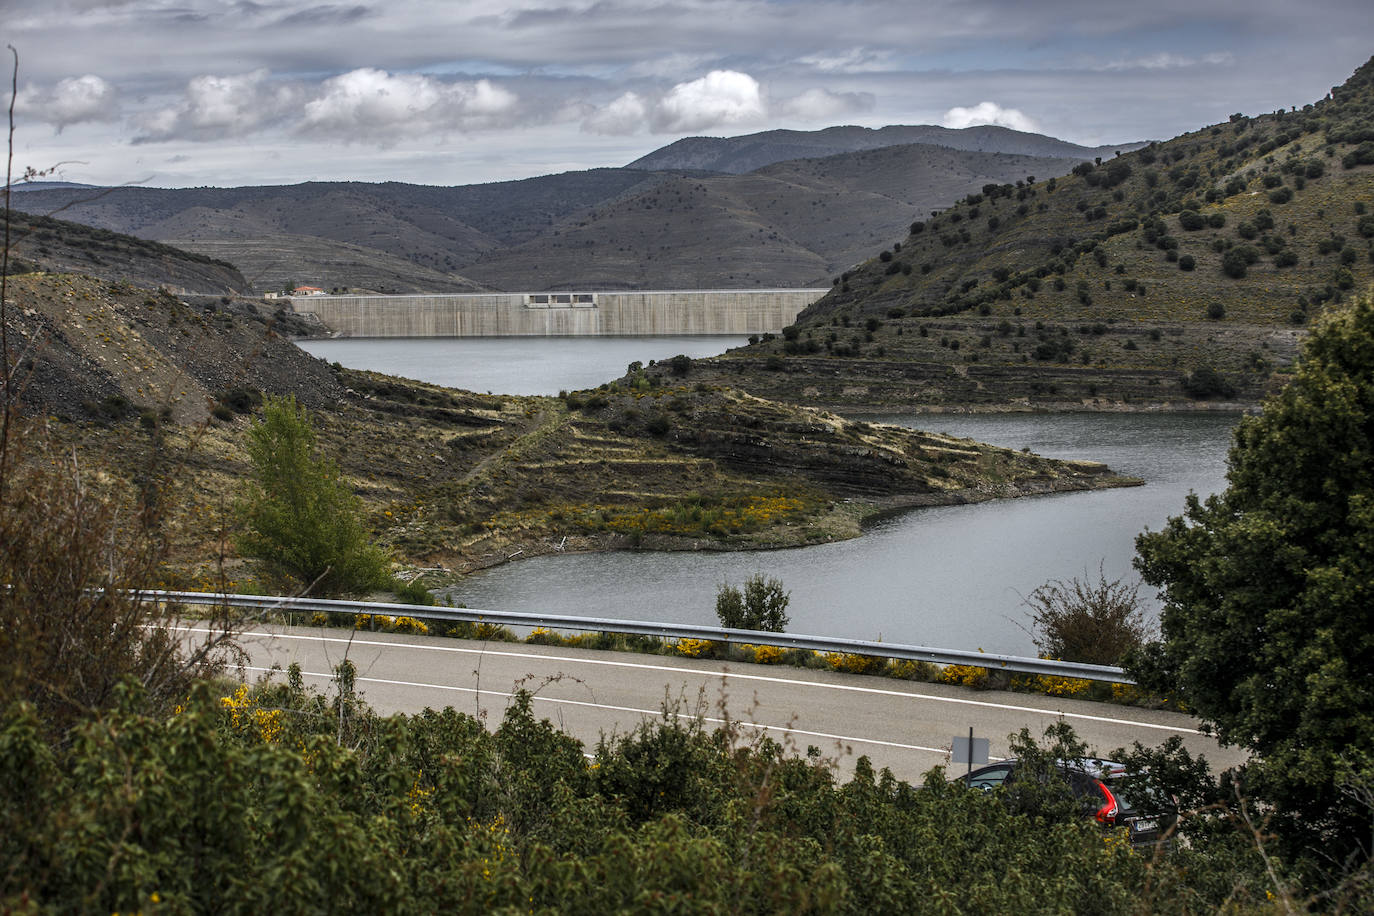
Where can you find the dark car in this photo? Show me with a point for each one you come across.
(1103, 786)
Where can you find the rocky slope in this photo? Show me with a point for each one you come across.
(73, 247)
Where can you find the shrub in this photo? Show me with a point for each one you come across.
(1186, 262)
(658, 424)
(1205, 382)
(75, 632)
(1235, 262)
(1079, 621)
(241, 399)
(413, 592)
(1191, 220)
(761, 605)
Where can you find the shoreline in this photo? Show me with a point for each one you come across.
(847, 520)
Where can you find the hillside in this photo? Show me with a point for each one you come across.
(737, 155)
(383, 237)
(131, 375)
(1180, 272)
(787, 224)
(63, 246)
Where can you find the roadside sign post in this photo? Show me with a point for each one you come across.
(970, 750)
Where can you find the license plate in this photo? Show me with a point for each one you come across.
(1144, 825)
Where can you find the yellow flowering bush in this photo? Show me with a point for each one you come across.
(695, 648)
(854, 664)
(246, 715)
(964, 675)
(766, 655)
(1061, 686)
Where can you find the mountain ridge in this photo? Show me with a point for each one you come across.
(745, 153)
(396, 237)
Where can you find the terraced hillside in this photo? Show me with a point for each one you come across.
(1180, 272)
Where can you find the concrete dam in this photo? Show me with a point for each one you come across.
(560, 314)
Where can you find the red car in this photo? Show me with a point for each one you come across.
(1102, 786)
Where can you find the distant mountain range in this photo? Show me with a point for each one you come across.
(737, 155)
(782, 208)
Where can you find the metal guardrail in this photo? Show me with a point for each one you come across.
(1016, 663)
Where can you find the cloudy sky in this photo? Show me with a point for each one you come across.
(226, 92)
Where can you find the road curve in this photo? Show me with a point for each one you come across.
(903, 725)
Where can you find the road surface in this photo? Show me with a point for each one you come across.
(905, 726)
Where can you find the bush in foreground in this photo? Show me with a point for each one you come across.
(281, 799)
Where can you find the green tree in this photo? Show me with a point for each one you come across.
(298, 516)
(762, 605)
(1268, 593)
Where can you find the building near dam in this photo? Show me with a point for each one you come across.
(560, 314)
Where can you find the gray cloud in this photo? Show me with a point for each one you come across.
(583, 75)
(218, 107)
(326, 14)
(69, 101)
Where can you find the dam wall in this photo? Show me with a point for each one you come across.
(560, 314)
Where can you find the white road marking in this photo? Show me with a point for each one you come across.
(785, 730)
(731, 674)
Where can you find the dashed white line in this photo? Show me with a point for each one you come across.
(772, 679)
(782, 729)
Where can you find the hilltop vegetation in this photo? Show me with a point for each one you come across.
(1113, 285)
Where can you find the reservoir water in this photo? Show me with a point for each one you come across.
(512, 365)
(951, 577)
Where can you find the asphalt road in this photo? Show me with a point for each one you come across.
(903, 725)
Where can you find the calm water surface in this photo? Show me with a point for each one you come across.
(951, 577)
(512, 365)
